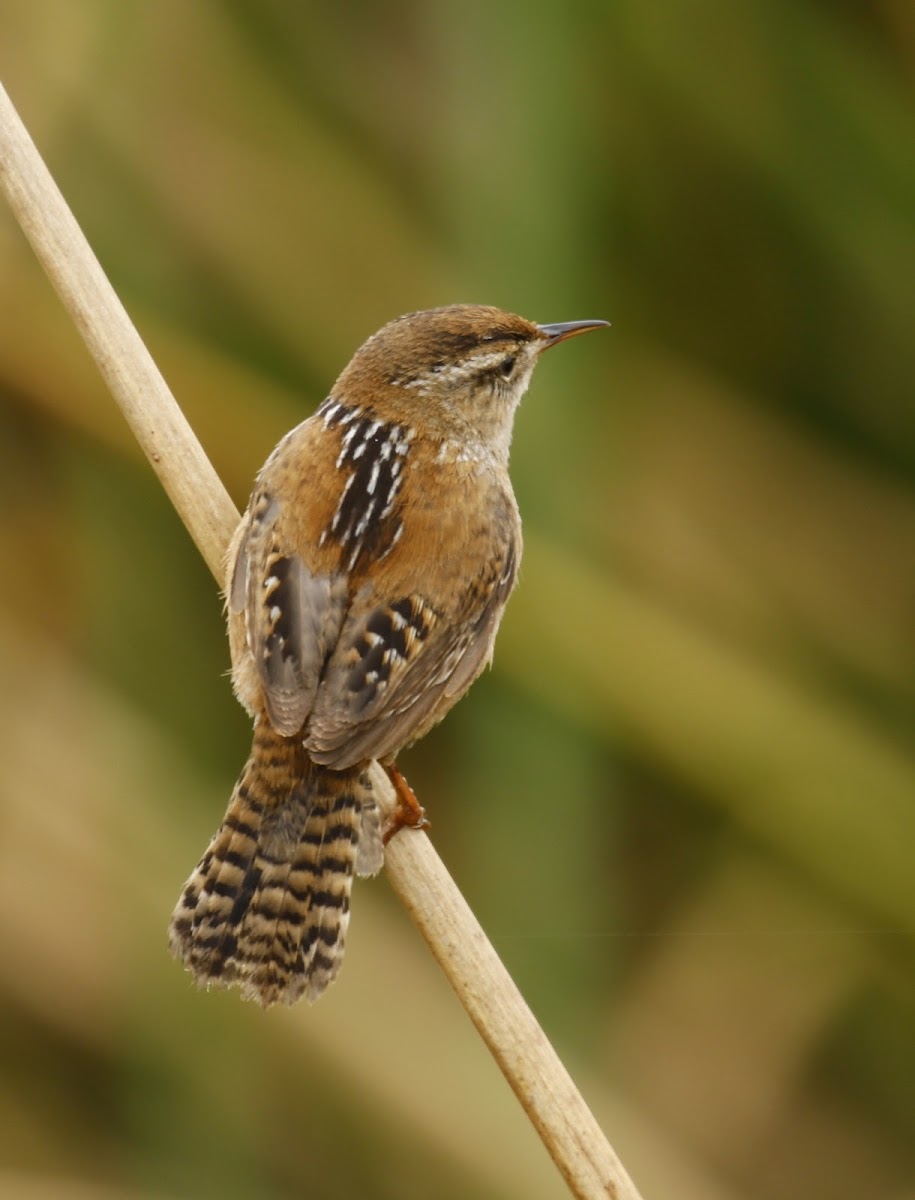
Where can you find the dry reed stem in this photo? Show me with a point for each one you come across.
(568, 1129)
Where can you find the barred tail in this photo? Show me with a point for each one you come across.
(267, 907)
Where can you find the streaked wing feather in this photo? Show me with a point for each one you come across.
(293, 618)
(399, 667)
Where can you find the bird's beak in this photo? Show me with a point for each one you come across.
(567, 329)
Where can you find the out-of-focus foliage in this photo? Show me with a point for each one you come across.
(683, 803)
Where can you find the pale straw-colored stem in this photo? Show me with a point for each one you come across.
(518, 1044)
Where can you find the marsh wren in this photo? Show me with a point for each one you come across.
(365, 585)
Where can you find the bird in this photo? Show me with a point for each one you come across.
(364, 589)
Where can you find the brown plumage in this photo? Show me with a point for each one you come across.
(365, 586)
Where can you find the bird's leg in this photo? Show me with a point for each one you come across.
(409, 812)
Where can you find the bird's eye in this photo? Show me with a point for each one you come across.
(507, 365)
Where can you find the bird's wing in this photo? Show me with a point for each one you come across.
(286, 589)
(400, 664)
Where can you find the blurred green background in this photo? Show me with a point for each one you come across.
(683, 802)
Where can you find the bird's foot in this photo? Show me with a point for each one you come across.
(409, 813)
